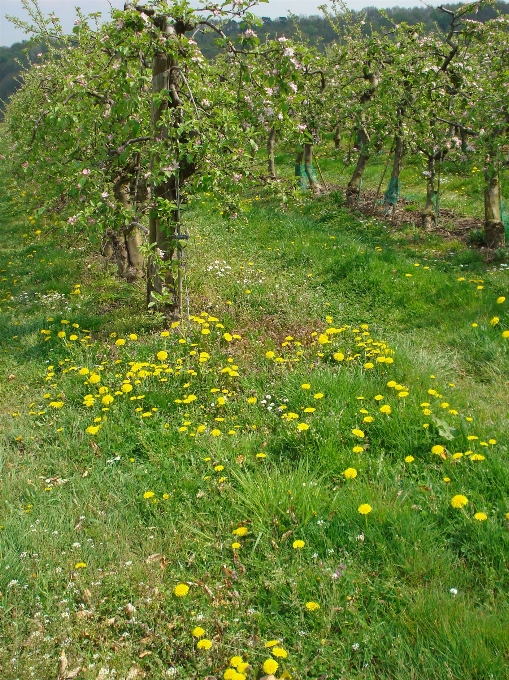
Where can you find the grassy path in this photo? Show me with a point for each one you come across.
(272, 484)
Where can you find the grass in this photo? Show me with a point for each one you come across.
(99, 527)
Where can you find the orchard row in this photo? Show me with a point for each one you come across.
(120, 123)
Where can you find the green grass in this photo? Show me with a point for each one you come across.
(152, 498)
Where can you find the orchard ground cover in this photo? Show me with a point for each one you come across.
(309, 479)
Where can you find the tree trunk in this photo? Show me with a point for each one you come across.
(162, 229)
(309, 170)
(337, 136)
(493, 225)
(271, 145)
(353, 188)
(391, 196)
(429, 213)
(133, 241)
(354, 185)
(299, 170)
(107, 247)
(119, 249)
(129, 259)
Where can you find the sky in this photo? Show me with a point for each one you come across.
(64, 9)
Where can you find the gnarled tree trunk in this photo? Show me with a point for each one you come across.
(354, 185)
(309, 170)
(337, 136)
(160, 232)
(130, 262)
(493, 225)
(428, 214)
(391, 196)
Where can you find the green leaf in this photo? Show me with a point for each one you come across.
(444, 429)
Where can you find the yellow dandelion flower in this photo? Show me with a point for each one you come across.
(364, 509)
(240, 531)
(358, 433)
(500, 300)
(93, 429)
(270, 666)
(480, 516)
(56, 404)
(162, 355)
(298, 544)
(181, 590)
(409, 459)
(459, 501)
(279, 652)
(80, 565)
(198, 632)
(350, 473)
(385, 409)
(204, 644)
(148, 494)
(312, 606)
(302, 427)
